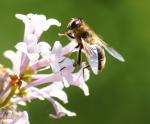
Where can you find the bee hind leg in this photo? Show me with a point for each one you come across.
(87, 66)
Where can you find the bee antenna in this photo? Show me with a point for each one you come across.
(60, 34)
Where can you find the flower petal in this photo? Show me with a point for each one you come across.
(79, 80)
(22, 17)
(60, 110)
(69, 47)
(57, 48)
(15, 58)
(56, 90)
(22, 119)
(21, 46)
(51, 22)
(44, 50)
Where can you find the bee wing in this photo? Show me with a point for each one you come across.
(112, 51)
(93, 55)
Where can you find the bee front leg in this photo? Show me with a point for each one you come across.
(79, 57)
(78, 62)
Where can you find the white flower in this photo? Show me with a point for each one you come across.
(60, 110)
(53, 90)
(79, 79)
(20, 85)
(15, 58)
(14, 117)
(35, 25)
(22, 119)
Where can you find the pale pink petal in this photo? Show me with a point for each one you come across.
(51, 22)
(22, 119)
(24, 63)
(69, 47)
(22, 17)
(44, 50)
(56, 90)
(39, 76)
(57, 48)
(44, 80)
(43, 46)
(15, 58)
(79, 80)
(31, 51)
(60, 110)
(39, 64)
(33, 57)
(13, 117)
(67, 63)
(21, 46)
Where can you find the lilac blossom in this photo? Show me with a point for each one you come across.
(19, 85)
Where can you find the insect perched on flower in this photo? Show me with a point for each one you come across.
(89, 42)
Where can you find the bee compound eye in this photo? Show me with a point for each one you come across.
(75, 24)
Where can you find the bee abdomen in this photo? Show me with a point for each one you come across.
(101, 59)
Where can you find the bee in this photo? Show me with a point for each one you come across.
(91, 44)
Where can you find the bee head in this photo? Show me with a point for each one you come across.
(74, 23)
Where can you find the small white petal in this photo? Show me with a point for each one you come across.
(56, 90)
(66, 63)
(31, 39)
(21, 46)
(43, 45)
(79, 81)
(22, 17)
(60, 94)
(37, 96)
(86, 74)
(38, 76)
(23, 119)
(13, 117)
(51, 22)
(15, 58)
(9, 54)
(66, 84)
(44, 50)
(33, 56)
(69, 47)
(61, 111)
(57, 48)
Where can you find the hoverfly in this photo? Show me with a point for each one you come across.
(92, 45)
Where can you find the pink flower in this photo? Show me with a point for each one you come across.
(14, 117)
(35, 25)
(60, 110)
(20, 85)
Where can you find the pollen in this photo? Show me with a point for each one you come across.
(15, 80)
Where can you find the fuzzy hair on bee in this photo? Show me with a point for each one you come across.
(90, 44)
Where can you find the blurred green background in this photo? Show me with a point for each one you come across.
(119, 95)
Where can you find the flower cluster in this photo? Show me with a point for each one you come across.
(20, 85)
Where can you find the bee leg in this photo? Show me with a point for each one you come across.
(79, 56)
(78, 63)
(87, 66)
(77, 46)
